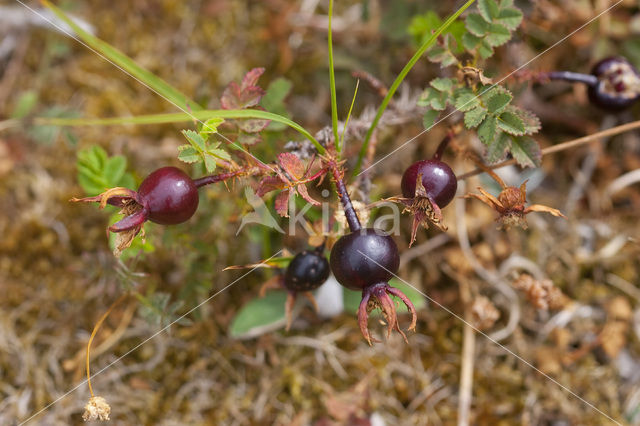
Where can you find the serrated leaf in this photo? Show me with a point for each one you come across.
(470, 42)
(487, 129)
(443, 84)
(260, 315)
(497, 35)
(211, 125)
(476, 25)
(488, 9)
(441, 55)
(439, 102)
(474, 117)
(292, 165)
(188, 154)
(114, 169)
(526, 151)
(466, 100)
(510, 18)
(485, 50)
(498, 102)
(195, 139)
(282, 203)
(430, 118)
(531, 121)
(210, 163)
(511, 123)
(497, 150)
(220, 153)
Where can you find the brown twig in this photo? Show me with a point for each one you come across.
(563, 146)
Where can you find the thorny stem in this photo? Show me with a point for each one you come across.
(206, 180)
(347, 205)
(563, 146)
(95, 331)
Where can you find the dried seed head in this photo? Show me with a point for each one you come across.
(541, 293)
(96, 409)
(483, 313)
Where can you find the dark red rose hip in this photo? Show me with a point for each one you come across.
(438, 179)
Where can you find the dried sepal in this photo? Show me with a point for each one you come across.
(423, 209)
(378, 297)
(96, 409)
(510, 203)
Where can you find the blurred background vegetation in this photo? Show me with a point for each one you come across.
(57, 273)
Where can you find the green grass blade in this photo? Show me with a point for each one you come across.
(332, 83)
(346, 123)
(392, 90)
(125, 63)
(179, 117)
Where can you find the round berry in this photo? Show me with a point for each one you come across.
(307, 271)
(438, 180)
(618, 84)
(364, 258)
(169, 195)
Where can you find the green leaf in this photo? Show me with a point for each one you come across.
(188, 154)
(273, 101)
(430, 118)
(442, 55)
(470, 42)
(114, 169)
(488, 9)
(211, 126)
(220, 153)
(195, 140)
(498, 102)
(443, 84)
(25, 104)
(466, 100)
(485, 50)
(154, 82)
(497, 150)
(261, 315)
(487, 130)
(210, 163)
(526, 151)
(510, 18)
(497, 35)
(474, 117)
(476, 25)
(531, 121)
(511, 123)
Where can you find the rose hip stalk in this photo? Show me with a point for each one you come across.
(613, 85)
(366, 259)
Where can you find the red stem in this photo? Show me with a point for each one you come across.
(443, 145)
(349, 211)
(206, 180)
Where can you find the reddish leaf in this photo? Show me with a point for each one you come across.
(248, 138)
(253, 125)
(268, 184)
(282, 203)
(292, 165)
(302, 190)
(251, 78)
